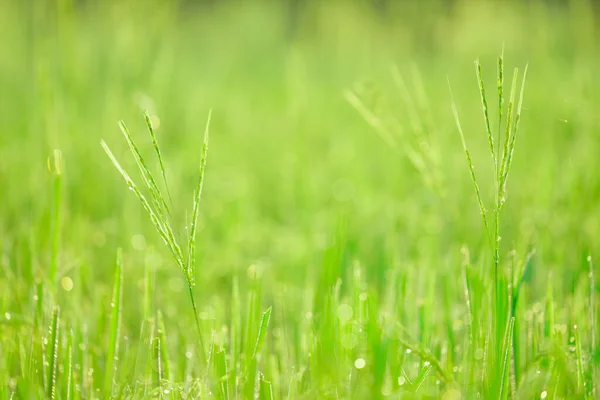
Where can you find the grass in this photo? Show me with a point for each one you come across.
(334, 244)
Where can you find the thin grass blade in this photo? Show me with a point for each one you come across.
(164, 351)
(52, 353)
(262, 331)
(115, 326)
(70, 380)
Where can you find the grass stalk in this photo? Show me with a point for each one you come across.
(158, 209)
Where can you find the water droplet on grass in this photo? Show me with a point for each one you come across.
(66, 283)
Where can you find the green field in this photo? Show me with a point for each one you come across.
(340, 250)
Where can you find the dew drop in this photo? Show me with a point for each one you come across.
(543, 395)
(401, 380)
(66, 283)
(7, 316)
(360, 363)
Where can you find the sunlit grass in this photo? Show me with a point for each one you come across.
(332, 245)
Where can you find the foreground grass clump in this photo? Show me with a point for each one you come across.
(321, 262)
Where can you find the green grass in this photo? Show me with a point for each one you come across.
(333, 243)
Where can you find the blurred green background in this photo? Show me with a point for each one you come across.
(292, 166)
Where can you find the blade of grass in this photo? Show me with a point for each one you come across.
(252, 364)
(262, 331)
(70, 380)
(236, 332)
(592, 306)
(265, 388)
(506, 357)
(578, 354)
(164, 352)
(423, 374)
(52, 353)
(115, 327)
(223, 374)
